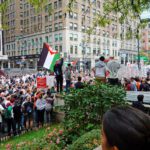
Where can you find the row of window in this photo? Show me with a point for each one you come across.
(73, 37)
(57, 26)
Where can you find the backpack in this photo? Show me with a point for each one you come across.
(8, 112)
(48, 107)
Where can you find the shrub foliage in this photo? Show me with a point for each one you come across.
(84, 108)
(88, 141)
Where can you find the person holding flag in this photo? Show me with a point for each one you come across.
(52, 61)
(59, 74)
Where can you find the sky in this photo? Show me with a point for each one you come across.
(146, 15)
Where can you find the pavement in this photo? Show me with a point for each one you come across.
(132, 96)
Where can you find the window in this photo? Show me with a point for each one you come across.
(88, 10)
(75, 37)
(46, 8)
(32, 42)
(60, 3)
(83, 8)
(75, 15)
(55, 5)
(71, 37)
(60, 25)
(75, 5)
(76, 49)
(94, 11)
(83, 19)
(60, 48)
(40, 40)
(55, 16)
(39, 18)
(71, 49)
(50, 39)
(50, 18)
(50, 28)
(94, 51)
(56, 37)
(70, 14)
(56, 47)
(56, 26)
(46, 18)
(75, 26)
(71, 26)
(98, 41)
(60, 14)
(46, 29)
(83, 28)
(60, 37)
(89, 20)
(98, 4)
(94, 40)
(46, 39)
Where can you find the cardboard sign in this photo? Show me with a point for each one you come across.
(41, 82)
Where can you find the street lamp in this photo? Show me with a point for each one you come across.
(83, 45)
(138, 46)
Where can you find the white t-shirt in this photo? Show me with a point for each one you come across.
(100, 69)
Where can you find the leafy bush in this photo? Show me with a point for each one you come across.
(88, 141)
(84, 108)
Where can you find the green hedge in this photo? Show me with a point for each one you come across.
(88, 141)
(84, 108)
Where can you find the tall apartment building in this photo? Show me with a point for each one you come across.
(64, 31)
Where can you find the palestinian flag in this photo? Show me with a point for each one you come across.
(48, 57)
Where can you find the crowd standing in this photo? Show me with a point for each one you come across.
(23, 105)
(137, 84)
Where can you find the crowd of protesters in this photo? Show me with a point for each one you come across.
(22, 104)
(137, 84)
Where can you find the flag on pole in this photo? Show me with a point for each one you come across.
(48, 57)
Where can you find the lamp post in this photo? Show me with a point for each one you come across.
(83, 45)
(138, 46)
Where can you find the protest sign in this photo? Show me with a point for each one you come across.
(41, 82)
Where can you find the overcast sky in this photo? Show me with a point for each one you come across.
(146, 15)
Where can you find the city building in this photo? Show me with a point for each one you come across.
(3, 58)
(66, 32)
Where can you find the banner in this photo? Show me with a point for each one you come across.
(41, 82)
(50, 81)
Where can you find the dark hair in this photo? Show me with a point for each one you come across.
(79, 78)
(102, 58)
(140, 98)
(69, 65)
(127, 128)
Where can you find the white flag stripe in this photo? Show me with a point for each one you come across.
(48, 61)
